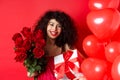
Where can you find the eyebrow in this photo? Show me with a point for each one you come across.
(51, 22)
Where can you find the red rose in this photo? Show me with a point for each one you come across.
(40, 43)
(20, 57)
(38, 53)
(27, 44)
(26, 32)
(17, 39)
(20, 50)
(16, 35)
(37, 35)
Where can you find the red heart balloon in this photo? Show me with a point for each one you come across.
(116, 69)
(102, 4)
(103, 23)
(112, 50)
(94, 69)
(115, 36)
(93, 47)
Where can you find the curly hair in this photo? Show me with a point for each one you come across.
(68, 34)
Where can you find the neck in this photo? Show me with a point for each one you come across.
(50, 41)
(52, 49)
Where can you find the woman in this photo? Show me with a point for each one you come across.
(60, 36)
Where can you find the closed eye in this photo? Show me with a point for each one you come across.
(51, 24)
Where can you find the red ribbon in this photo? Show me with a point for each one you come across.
(64, 68)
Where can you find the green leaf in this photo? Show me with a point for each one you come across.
(38, 68)
(31, 69)
(26, 63)
(34, 63)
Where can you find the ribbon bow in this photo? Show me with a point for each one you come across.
(67, 66)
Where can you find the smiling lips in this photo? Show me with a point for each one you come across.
(53, 33)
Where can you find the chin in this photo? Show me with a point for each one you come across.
(53, 37)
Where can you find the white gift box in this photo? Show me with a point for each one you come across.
(60, 61)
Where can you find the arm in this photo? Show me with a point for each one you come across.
(67, 47)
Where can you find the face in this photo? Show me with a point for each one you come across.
(53, 29)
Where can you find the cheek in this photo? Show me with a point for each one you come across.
(60, 30)
(48, 28)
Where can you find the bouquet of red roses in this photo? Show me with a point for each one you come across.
(29, 49)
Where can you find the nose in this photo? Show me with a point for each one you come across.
(54, 27)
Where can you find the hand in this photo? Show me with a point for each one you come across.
(80, 78)
(32, 75)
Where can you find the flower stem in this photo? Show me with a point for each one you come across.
(35, 78)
